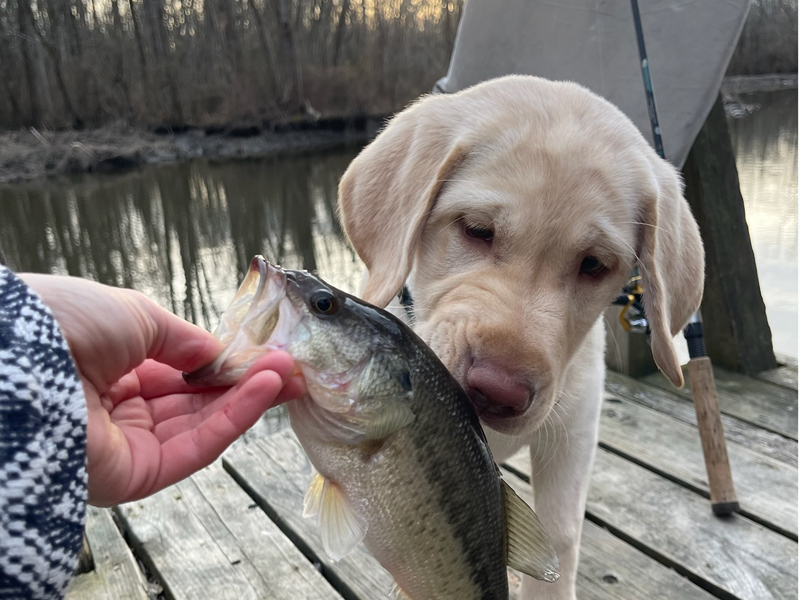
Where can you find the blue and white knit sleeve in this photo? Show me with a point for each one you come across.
(42, 448)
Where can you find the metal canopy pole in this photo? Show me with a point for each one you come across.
(701, 373)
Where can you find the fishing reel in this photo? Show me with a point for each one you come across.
(631, 317)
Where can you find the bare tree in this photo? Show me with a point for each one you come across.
(64, 63)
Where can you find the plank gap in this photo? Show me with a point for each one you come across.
(664, 560)
(152, 576)
(336, 582)
(762, 404)
(772, 445)
(645, 549)
(688, 485)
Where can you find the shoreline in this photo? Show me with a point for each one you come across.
(28, 154)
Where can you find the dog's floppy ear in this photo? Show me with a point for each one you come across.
(388, 191)
(671, 262)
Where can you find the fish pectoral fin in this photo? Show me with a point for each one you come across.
(392, 416)
(341, 528)
(529, 550)
(397, 594)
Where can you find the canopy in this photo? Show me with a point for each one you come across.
(593, 42)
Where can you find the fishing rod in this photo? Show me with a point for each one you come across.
(701, 373)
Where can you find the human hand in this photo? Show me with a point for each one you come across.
(147, 428)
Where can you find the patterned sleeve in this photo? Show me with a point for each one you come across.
(42, 448)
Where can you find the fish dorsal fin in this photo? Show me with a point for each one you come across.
(392, 416)
(341, 528)
(529, 550)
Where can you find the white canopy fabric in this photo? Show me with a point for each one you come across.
(593, 42)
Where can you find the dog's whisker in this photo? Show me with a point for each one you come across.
(548, 450)
(656, 227)
(563, 424)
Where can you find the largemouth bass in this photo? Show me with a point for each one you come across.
(403, 462)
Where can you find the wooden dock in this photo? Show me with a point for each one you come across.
(235, 530)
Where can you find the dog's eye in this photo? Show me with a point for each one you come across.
(592, 266)
(478, 232)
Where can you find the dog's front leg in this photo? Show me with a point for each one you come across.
(561, 465)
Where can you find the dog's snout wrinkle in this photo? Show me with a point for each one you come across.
(496, 391)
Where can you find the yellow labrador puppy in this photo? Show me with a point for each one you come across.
(514, 211)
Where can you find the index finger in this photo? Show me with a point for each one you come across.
(157, 380)
(176, 342)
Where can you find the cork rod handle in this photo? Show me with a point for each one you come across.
(720, 479)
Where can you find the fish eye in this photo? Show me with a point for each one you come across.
(324, 302)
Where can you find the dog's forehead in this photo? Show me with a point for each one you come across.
(544, 182)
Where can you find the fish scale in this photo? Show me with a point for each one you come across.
(450, 502)
(403, 462)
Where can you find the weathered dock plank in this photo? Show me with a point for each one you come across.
(205, 538)
(610, 569)
(115, 574)
(770, 406)
(766, 488)
(732, 555)
(669, 403)
(785, 376)
(275, 471)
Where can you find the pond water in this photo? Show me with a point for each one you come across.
(184, 234)
(766, 157)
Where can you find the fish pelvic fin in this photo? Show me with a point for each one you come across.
(529, 550)
(312, 502)
(341, 528)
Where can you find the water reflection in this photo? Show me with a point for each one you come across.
(766, 157)
(183, 234)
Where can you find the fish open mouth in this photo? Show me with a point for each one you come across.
(246, 326)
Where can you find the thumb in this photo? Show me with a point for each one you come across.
(176, 342)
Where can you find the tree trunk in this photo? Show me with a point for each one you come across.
(29, 37)
(737, 333)
(318, 34)
(137, 34)
(16, 113)
(152, 10)
(119, 62)
(337, 44)
(56, 47)
(232, 37)
(267, 47)
(292, 95)
(166, 75)
(58, 67)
